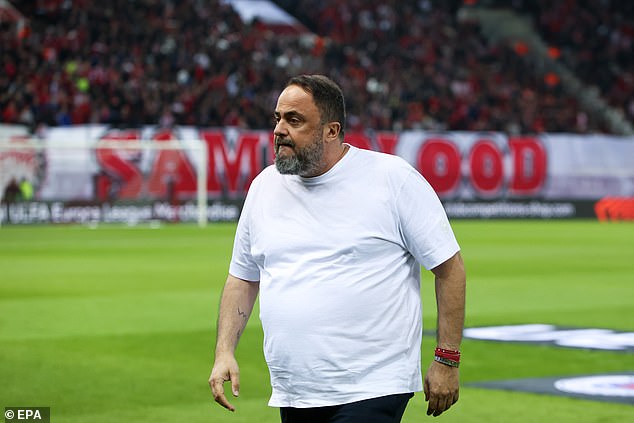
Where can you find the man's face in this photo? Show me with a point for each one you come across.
(299, 144)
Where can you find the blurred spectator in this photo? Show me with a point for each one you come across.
(12, 192)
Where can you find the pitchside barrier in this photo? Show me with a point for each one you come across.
(93, 173)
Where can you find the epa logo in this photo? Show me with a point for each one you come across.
(39, 414)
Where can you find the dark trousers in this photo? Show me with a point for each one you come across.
(388, 409)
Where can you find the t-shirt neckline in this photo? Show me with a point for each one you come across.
(332, 172)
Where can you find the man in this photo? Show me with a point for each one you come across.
(332, 238)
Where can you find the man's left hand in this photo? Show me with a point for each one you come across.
(441, 388)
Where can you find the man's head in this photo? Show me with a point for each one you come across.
(310, 117)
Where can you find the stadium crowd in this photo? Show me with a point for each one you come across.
(595, 39)
(402, 65)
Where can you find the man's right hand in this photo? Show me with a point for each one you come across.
(225, 369)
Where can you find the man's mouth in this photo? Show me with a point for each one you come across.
(283, 143)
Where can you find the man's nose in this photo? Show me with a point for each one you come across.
(280, 129)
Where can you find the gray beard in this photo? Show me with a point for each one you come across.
(306, 161)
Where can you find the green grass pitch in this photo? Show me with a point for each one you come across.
(117, 323)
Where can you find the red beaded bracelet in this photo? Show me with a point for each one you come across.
(448, 357)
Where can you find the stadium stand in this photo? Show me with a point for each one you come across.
(593, 38)
(403, 65)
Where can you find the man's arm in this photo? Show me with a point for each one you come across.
(236, 304)
(442, 381)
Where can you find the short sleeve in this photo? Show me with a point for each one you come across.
(423, 223)
(242, 265)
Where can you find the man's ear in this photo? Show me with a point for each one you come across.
(332, 131)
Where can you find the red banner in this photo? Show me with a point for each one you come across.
(476, 174)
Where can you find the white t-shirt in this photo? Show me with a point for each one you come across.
(337, 257)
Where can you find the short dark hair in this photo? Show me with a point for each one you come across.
(327, 96)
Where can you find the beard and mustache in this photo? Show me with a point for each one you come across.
(306, 161)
